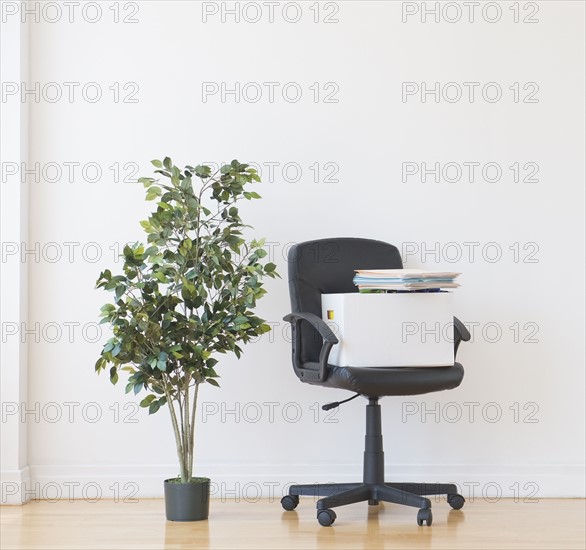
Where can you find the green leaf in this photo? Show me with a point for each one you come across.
(117, 349)
(153, 192)
(154, 407)
(212, 382)
(100, 364)
(113, 375)
(203, 171)
(162, 361)
(157, 163)
(107, 309)
(211, 373)
(146, 182)
(120, 290)
(147, 400)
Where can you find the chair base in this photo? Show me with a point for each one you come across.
(373, 487)
(340, 494)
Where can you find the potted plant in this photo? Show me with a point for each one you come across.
(183, 298)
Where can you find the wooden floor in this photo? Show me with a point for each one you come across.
(547, 524)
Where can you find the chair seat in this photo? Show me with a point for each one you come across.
(381, 381)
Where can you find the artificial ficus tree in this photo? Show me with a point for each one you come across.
(186, 295)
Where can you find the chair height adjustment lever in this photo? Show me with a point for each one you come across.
(336, 404)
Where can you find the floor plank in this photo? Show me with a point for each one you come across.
(548, 524)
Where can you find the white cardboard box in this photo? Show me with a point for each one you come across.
(391, 330)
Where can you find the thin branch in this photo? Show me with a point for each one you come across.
(186, 433)
(192, 434)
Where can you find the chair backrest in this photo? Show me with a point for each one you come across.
(326, 266)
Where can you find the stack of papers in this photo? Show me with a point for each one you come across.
(404, 280)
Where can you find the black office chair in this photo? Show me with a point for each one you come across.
(327, 267)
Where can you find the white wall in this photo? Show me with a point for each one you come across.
(368, 134)
(13, 274)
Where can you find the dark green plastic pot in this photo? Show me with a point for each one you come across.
(187, 501)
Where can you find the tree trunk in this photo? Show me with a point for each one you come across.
(179, 445)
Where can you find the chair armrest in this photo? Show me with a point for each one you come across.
(461, 334)
(317, 322)
(329, 340)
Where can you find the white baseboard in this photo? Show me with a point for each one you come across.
(251, 482)
(15, 486)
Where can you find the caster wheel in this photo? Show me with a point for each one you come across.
(326, 517)
(456, 501)
(290, 502)
(424, 514)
